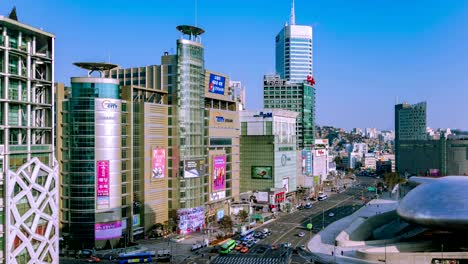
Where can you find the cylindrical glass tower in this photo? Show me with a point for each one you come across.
(92, 165)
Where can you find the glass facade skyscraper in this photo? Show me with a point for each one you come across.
(190, 117)
(294, 51)
(95, 163)
(297, 97)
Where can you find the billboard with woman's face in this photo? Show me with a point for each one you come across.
(219, 172)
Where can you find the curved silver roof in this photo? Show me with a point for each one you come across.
(441, 203)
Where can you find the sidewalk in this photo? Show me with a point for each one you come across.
(323, 243)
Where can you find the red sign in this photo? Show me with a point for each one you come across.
(102, 184)
(310, 80)
(279, 197)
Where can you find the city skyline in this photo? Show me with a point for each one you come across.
(380, 51)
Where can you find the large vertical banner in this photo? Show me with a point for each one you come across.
(219, 172)
(102, 184)
(158, 161)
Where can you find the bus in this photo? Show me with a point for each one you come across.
(247, 234)
(141, 257)
(228, 246)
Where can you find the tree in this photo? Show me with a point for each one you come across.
(226, 224)
(391, 179)
(243, 215)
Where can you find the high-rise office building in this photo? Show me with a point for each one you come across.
(28, 169)
(298, 97)
(410, 121)
(410, 124)
(294, 51)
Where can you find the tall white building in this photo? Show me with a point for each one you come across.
(29, 198)
(294, 51)
(238, 93)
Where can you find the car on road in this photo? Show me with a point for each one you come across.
(255, 241)
(331, 214)
(301, 234)
(257, 234)
(322, 197)
(238, 242)
(261, 249)
(250, 244)
(303, 247)
(286, 245)
(238, 247)
(265, 231)
(244, 250)
(263, 236)
(93, 259)
(308, 206)
(274, 247)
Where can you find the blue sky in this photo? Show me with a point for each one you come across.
(367, 53)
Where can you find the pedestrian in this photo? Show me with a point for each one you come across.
(333, 253)
(341, 252)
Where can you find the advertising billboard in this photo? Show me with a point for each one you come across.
(286, 184)
(102, 184)
(306, 162)
(262, 197)
(104, 231)
(192, 168)
(191, 219)
(217, 195)
(219, 172)
(263, 172)
(158, 163)
(216, 84)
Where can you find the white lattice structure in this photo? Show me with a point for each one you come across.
(32, 214)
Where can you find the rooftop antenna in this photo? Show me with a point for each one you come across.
(396, 100)
(196, 13)
(293, 15)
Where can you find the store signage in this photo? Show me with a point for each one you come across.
(221, 119)
(284, 159)
(104, 231)
(264, 115)
(320, 152)
(107, 104)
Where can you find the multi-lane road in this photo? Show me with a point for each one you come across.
(285, 228)
(338, 205)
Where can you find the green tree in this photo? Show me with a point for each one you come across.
(243, 215)
(226, 224)
(391, 179)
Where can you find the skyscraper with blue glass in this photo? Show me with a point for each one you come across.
(294, 51)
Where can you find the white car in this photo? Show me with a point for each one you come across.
(301, 234)
(331, 214)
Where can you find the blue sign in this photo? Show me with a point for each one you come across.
(220, 214)
(216, 84)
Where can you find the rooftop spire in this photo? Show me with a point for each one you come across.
(293, 15)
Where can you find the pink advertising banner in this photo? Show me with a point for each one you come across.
(104, 231)
(158, 162)
(219, 172)
(102, 184)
